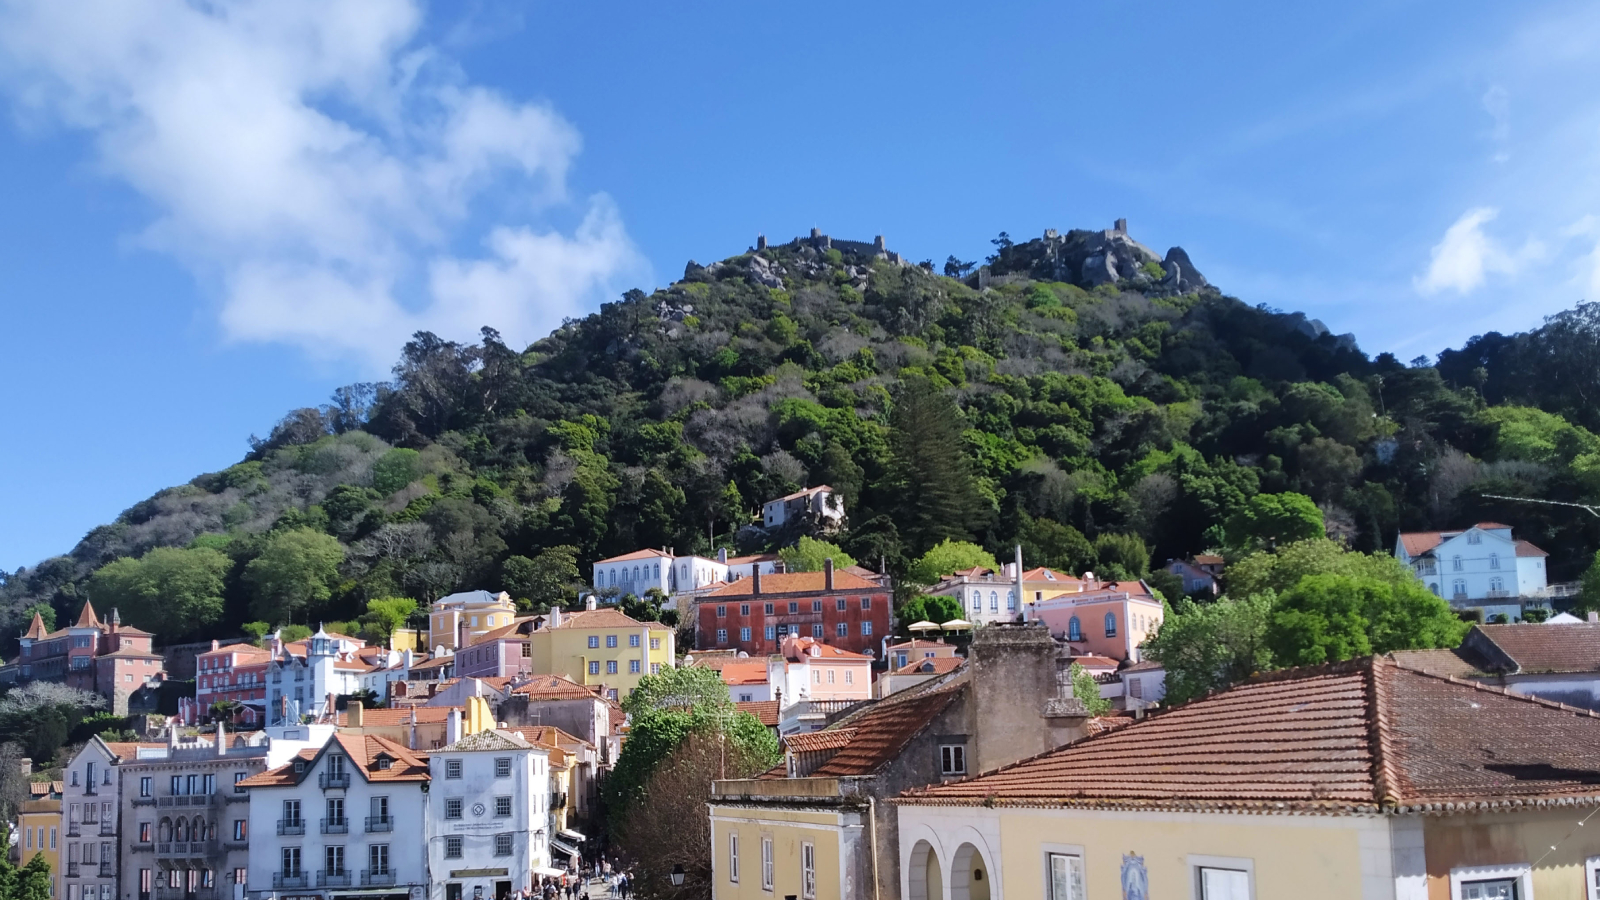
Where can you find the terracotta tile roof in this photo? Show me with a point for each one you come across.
(1364, 735)
(1103, 724)
(130, 749)
(503, 632)
(45, 788)
(390, 718)
(435, 663)
(804, 646)
(936, 665)
(805, 493)
(1090, 661)
(549, 735)
(1417, 543)
(619, 719)
(1450, 663)
(1537, 648)
(1144, 665)
(712, 659)
(250, 652)
(605, 617)
(637, 554)
(745, 671)
(880, 732)
(752, 558)
(128, 652)
(796, 583)
(920, 644)
(1208, 559)
(554, 687)
(35, 627)
(1525, 548)
(764, 710)
(86, 617)
(1046, 574)
(364, 751)
(812, 741)
(858, 571)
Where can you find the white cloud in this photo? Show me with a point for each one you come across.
(1466, 255)
(317, 163)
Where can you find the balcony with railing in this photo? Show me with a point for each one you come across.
(282, 880)
(381, 878)
(334, 780)
(185, 849)
(108, 870)
(72, 830)
(1499, 595)
(377, 824)
(108, 829)
(72, 870)
(187, 800)
(338, 878)
(340, 825)
(291, 826)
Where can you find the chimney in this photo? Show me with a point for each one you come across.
(591, 604)
(222, 739)
(1019, 577)
(827, 574)
(722, 555)
(216, 644)
(555, 617)
(452, 727)
(755, 578)
(1594, 618)
(353, 718)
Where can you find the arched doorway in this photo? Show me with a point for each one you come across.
(926, 879)
(969, 874)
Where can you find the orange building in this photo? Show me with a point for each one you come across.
(1108, 619)
(110, 659)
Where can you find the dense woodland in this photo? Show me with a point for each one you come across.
(1103, 429)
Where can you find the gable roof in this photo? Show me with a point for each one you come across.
(398, 716)
(796, 583)
(86, 617)
(765, 711)
(1525, 548)
(364, 751)
(1417, 543)
(603, 617)
(1534, 648)
(745, 671)
(805, 493)
(930, 665)
(879, 733)
(1361, 736)
(637, 554)
(247, 652)
(803, 647)
(488, 739)
(554, 687)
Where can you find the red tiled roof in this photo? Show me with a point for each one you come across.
(764, 710)
(936, 665)
(389, 718)
(805, 645)
(812, 741)
(1538, 648)
(745, 671)
(35, 627)
(605, 617)
(130, 749)
(920, 644)
(752, 558)
(1208, 559)
(1449, 663)
(805, 493)
(1103, 724)
(1420, 542)
(712, 659)
(637, 554)
(86, 617)
(1090, 661)
(435, 663)
(795, 583)
(1525, 548)
(363, 750)
(864, 741)
(1364, 735)
(250, 652)
(554, 687)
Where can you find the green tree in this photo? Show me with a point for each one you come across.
(1207, 647)
(936, 496)
(1267, 520)
(47, 614)
(256, 631)
(1282, 569)
(1121, 557)
(1086, 689)
(170, 591)
(934, 608)
(396, 469)
(809, 553)
(296, 571)
(33, 880)
(1327, 618)
(678, 687)
(385, 614)
(949, 556)
(549, 579)
(1589, 592)
(1047, 542)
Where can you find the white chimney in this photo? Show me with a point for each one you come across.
(452, 727)
(591, 604)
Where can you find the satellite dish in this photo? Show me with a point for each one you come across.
(743, 655)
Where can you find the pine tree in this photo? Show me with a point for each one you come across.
(930, 479)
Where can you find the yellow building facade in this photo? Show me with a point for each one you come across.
(600, 647)
(761, 853)
(39, 828)
(456, 620)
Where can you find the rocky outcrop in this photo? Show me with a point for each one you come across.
(765, 272)
(1182, 277)
(1092, 258)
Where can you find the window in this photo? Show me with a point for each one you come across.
(733, 858)
(291, 812)
(849, 676)
(240, 829)
(611, 667)
(594, 668)
(1066, 876)
(794, 607)
(1455, 563)
(238, 777)
(1497, 584)
(1459, 587)
(502, 845)
(452, 808)
(830, 676)
(452, 768)
(816, 606)
(722, 635)
(1074, 629)
(866, 602)
(145, 882)
(502, 806)
(502, 767)
(722, 612)
(994, 601)
(744, 634)
(866, 629)
(1222, 879)
(144, 786)
(771, 632)
(816, 631)
(378, 859)
(1494, 560)
(766, 864)
(1473, 537)
(291, 862)
(1503, 882)
(655, 668)
(1011, 600)
(594, 642)
(808, 870)
(842, 629)
(1111, 624)
(744, 609)
(176, 785)
(452, 847)
(767, 609)
(633, 667)
(977, 601)
(655, 643)
(333, 860)
(240, 876)
(840, 603)
(611, 642)
(144, 835)
(953, 759)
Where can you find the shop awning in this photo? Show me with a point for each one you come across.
(563, 848)
(546, 870)
(571, 835)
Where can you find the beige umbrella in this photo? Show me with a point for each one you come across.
(924, 625)
(956, 625)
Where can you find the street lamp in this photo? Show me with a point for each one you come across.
(677, 875)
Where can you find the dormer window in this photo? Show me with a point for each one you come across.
(384, 763)
(1474, 537)
(299, 766)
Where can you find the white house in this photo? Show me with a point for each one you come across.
(819, 501)
(488, 817)
(1480, 566)
(639, 571)
(339, 819)
(90, 808)
(303, 675)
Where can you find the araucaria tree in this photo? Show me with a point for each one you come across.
(930, 477)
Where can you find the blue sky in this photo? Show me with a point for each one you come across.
(217, 212)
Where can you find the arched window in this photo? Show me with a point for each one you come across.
(1011, 600)
(164, 831)
(1074, 629)
(180, 831)
(977, 601)
(994, 601)
(1111, 624)
(1473, 537)
(1455, 563)
(613, 577)
(1494, 560)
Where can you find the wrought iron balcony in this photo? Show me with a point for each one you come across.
(379, 823)
(107, 870)
(334, 780)
(72, 870)
(289, 880)
(340, 825)
(383, 878)
(291, 826)
(340, 878)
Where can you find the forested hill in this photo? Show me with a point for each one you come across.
(1113, 409)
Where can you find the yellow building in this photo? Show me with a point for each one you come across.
(460, 619)
(39, 827)
(596, 646)
(1362, 779)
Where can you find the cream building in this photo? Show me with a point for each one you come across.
(1357, 780)
(457, 620)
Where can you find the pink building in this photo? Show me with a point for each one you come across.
(108, 658)
(237, 672)
(1109, 619)
(501, 653)
(808, 669)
